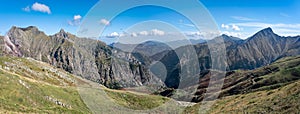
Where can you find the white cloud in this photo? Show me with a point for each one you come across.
(104, 22)
(280, 28)
(234, 34)
(153, 32)
(236, 28)
(265, 25)
(203, 34)
(77, 17)
(144, 33)
(284, 15)
(27, 9)
(134, 34)
(240, 18)
(225, 26)
(41, 8)
(76, 20)
(231, 27)
(157, 32)
(113, 35)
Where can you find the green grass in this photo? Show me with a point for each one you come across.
(39, 83)
(275, 92)
(281, 94)
(42, 83)
(281, 100)
(136, 101)
(15, 97)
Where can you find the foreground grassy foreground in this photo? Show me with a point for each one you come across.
(29, 86)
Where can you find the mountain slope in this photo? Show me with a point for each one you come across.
(282, 100)
(278, 74)
(29, 86)
(270, 89)
(87, 58)
(261, 49)
(98, 62)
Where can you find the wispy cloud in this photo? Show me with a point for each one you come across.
(181, 22)
(113, 35)
(104, 22)
(157, 32)
(39, 7)
(189, 25)
(153, 32)
(231, 27)
(264, 25)
(225, 26)
(236, 28)
(284, 15)
(241, 18)
(27, 9)
(76, 20)
(280, 28)
(234, 34)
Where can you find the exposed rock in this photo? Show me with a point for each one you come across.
(57, 102)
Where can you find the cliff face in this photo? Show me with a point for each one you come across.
(87, 58)
(261, 49)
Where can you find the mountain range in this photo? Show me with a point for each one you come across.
(92, 59)
(40, 67)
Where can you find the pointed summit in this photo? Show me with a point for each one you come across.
(268, 30)
(62, 31)
(62, 34)
(265, 32)
(230, 38)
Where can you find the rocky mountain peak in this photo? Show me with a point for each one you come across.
(265, 32)
(62, 34)
(31, 29)
(227, 38)
(62, 31)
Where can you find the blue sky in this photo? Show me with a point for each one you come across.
(240, 18)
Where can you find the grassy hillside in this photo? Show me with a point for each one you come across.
(275, 75)
(282, 100)
(30, 86)
(271, 89)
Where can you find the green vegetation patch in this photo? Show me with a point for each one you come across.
(136, 101)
